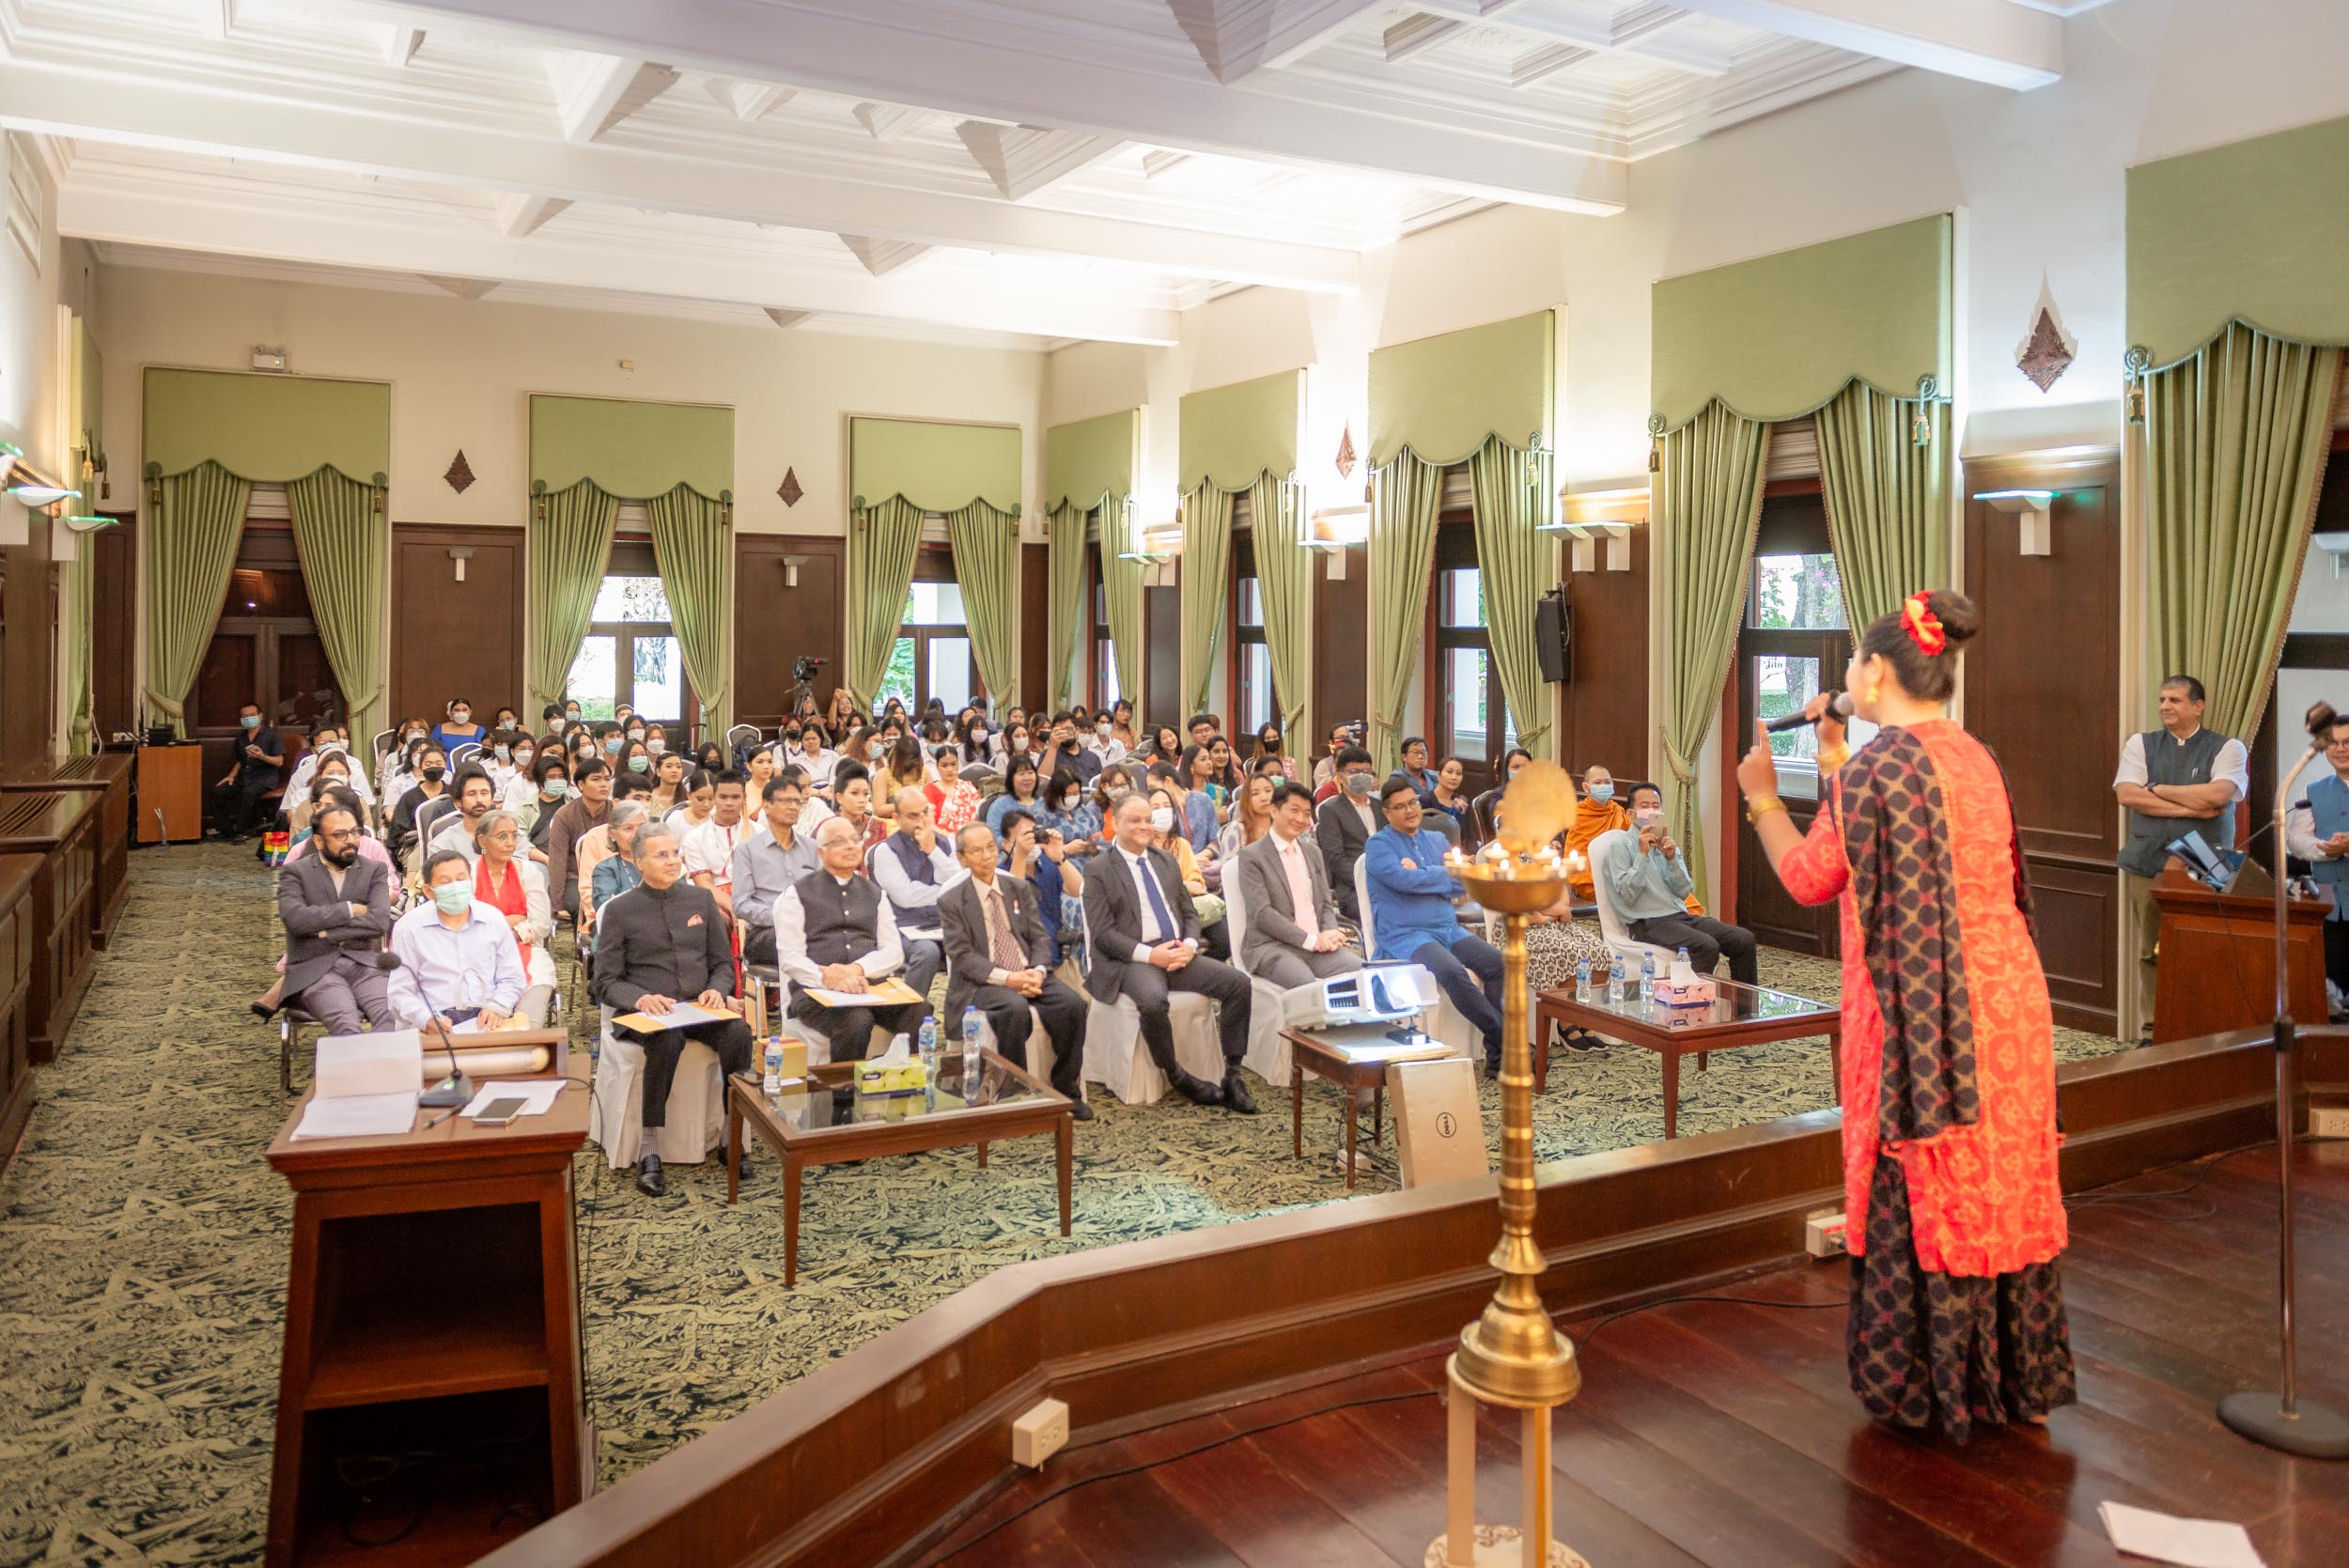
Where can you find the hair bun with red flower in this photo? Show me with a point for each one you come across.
(1923, 626)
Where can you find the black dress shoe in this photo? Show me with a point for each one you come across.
(1077, 1110)
(1235, 1094)
(1198, 1091)
(648, 1180)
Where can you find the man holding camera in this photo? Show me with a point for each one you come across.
(1649, 883)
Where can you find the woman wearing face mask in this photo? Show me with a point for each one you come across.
(552, 794)
(1022, 791)
(431, 774)
(523, 786)
(1018, 741)
(635, 758)
(1268, 745)
(1101, 800)
(332, 771)
(505, 883)
(970, 743)
(1166, 822)
(711, 757)
(459, 728)
(1103, 741)
(1067, 811)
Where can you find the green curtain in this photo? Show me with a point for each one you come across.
(342, 539)
(569, 542)
(2236, 437)
(694, 555)
(81, 729)
(1887, 498)
(1518, 564)
(987, 563)
(1207, 583)
(1065, 611)
(1405, 499)
(1709, 504)
(198, 521)
(1283, 581)
(882, 541)
(1122, 582)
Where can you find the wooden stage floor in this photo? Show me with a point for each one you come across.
(1726, 1434)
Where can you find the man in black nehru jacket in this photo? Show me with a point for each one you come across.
(656, 945)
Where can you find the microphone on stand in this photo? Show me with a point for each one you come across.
(1841, 707)
(2277, 1418)
(455, 1088)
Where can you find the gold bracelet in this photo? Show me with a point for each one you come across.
(1761, 806)
(1831, 760)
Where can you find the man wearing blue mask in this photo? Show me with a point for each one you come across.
(237, 799)
(458, 962)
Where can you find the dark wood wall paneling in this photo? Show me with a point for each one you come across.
(113, 624)
(775, 624)
(452, 638)
(2043, 692)
(29, 640)
(1163, 655)
(1602, 709)
(1035, 624)
(1340, 645)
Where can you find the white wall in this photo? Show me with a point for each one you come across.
(462, 371)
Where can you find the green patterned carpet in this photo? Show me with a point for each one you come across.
(143, 1250)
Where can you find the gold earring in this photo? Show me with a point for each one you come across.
(1876, 691)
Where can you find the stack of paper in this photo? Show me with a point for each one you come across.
(537, 1095)
(365, 1087)
(2194, 1543)
(684, 1014)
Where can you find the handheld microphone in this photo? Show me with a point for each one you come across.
(1841, 707)
(455, 1088)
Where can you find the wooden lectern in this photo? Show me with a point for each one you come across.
(2217, 958)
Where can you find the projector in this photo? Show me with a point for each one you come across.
(1381, 993)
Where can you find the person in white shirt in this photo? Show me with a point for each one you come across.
(913, 867)
(520, 787)
(709, 848)
(834, 930)
(2178, 779)
(328, 740)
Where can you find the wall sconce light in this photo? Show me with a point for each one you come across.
(791, 571)
(1589, 515)
(2034, 507)
(2335, 544)
(461, 554)
(1333, 530)
(88, 524)
(35, 492)
(1157, 543)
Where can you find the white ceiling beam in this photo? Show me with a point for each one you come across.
(595, 92)
(520, 215)
(1021, 69)
(400, 43)
(481, 153)
(882, 257)
(1650, 31)
(290, 226)
(1414, 36)
(1545, 61)
(888, 121)
(1238, 38)
(2004, 44)
(1023, 159)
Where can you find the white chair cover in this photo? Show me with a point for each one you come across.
(1267, 1052)
(1117, 1058)
(697, 1103)
(1634, 950)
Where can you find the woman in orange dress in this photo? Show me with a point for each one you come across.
(1953, 1213)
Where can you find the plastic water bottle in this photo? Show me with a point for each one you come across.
(926, 1044)
(1647, 980)
(972, 1022)
(1614, 983)
(1582, 978)
(1680, 962)
(773, 1064)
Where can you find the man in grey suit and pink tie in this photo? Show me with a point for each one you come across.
(1293, 936)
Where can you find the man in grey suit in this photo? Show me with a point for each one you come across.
(1293, 936)
(336, 909)
(1143, 934)
(1345, 826)
(999, 960)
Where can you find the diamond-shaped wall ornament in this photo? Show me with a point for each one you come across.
(2047, 350)
(790, 489)
(460, 474)
(1346, 453)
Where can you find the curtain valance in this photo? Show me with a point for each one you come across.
(1090, 459)
(1231, 434)
(939, 467)
(628, 449)
(1442, 397)
(267, 429)
(2252, 231)
(1778, 337)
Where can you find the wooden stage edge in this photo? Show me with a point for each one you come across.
(880, 1455)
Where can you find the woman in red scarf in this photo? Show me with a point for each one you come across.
(516, 887)
(1952, 1208)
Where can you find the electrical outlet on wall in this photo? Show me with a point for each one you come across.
(1823, 1235)
(1038, 1435)
(2328, 1120)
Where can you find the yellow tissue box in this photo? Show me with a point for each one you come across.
(882, 1078)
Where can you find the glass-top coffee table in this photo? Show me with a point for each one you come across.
(1740, 1015)
(823, 1120)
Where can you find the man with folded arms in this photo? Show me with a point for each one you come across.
(1293, 936)
(659, 942)
(999, 960)
(336, 907)
(834, 930)
(1415, 916)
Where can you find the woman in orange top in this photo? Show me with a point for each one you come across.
(1953, 1212)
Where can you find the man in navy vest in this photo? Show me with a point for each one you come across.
(913, 867)
(2177, 780)
(2317, 832)
(834, 929)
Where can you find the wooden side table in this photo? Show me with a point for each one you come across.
(430, 1309)
(1337, 1056)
